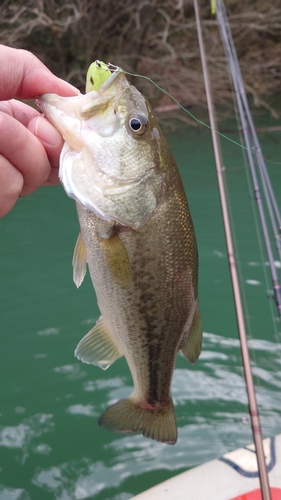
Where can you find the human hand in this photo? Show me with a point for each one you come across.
(29, 145)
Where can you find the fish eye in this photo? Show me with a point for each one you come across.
(138, 124)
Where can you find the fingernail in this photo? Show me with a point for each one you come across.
(45, 131)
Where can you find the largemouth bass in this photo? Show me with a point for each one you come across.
(138, 240)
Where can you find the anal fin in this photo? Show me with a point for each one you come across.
(79, 261)
(192, 342)
(97, 347)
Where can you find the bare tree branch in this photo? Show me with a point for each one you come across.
(153, 37)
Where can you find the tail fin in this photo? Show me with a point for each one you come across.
(156, 423)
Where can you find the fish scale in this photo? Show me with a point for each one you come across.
(150, 308)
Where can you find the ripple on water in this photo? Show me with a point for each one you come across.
(195, 384)
(210, 356)
(208, 428)
(42, 449)
(253, 282)
(219, 254)
(117, 389)
(49, 331)
(197, 443)
(277, 264)
(51, 477)
(79, 479)
(211, 339)
(71, 372)
(14, 437)
(79, 409)
(13, 494)
(103, 384)
(20, 436)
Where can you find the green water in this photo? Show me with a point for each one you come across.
(50, 444)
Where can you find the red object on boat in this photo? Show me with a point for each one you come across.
(256, 495)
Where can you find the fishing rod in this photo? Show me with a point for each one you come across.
(253, 409)
(255, 158)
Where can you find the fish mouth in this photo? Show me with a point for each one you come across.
(88, 104)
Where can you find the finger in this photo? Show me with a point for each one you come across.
(19, 110)
(46, 133)
(39, 126)
(25, 76)
(23, 150)
(53, 178)
(50, 138)
(11, 184)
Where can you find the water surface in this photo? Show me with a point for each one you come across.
(51, 447)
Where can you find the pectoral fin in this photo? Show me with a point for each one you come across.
(192, 343)
(117, 260)
(79, 261)
(97, 347)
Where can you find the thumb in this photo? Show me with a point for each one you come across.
(50, 138)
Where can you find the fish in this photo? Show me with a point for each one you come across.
(137, 239)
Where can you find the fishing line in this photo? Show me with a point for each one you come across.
(265, 271)
(253, 168)
(258, 171)
(114, 68)
(186, 110)
(262, 251)
(261, 245)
